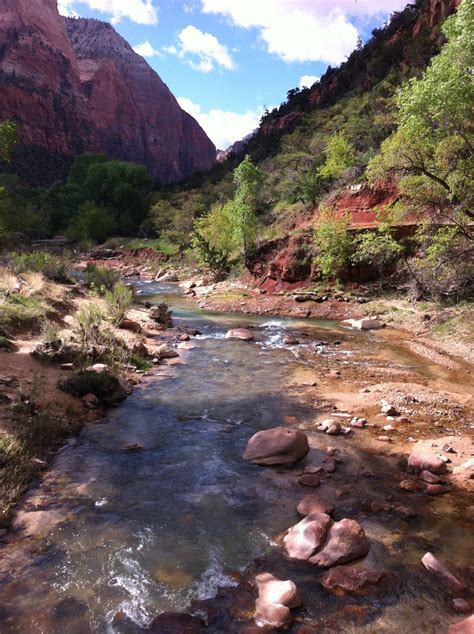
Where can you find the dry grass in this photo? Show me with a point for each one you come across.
(8, 280)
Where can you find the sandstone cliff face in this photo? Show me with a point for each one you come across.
(134, 113)
(76, 86)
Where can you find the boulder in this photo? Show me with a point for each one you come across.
(314, 504)
(279, 445)
(334, 429)
(240, 333)
(353, 578)
(289, 340)
(139, 349)
(308, 535)
(165, 352)
(275, 598)
(130, 324)
(309, 480)
(346, 541)
(463, 627)
(364, 324)
(441, 571)
(426, 462)
(174, 622)
(430, 478)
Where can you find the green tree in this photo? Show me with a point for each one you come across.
(431, 152)
(244, 220)
(213, 238)
(92, 223)
(333, 242)
(8, 139)
(339, 157)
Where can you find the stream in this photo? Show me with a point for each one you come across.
(148, 531)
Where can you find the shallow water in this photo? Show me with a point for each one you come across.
(151, 530)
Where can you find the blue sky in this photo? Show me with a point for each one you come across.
(226, 60)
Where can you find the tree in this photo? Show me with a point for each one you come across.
(339, 156)
(431, 152)
(213, 238)
(333, 241)
(8, 139)
(247, 178)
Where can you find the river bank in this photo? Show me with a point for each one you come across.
(154, 521)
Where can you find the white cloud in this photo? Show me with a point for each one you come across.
(306, 81)
(223, 127)
(139, 11)
(146, 50)
(202, 51)
(303, 30)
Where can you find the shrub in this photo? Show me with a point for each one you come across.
(331, 236)
(103, 385)
(100, 278)
(89, 321)
(162, 315)
(118, 301)
(377, 248)
(51, 266)
(140, 362)
(50, 331)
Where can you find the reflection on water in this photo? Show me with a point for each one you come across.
(150, 530)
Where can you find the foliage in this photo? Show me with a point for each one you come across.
(102, 384)
(100, 278)
(89, 319)
(377, 248)
(432, 150)
(213, 238)
(8, 139)
(339, 157)
(332, 239)
(247, 177)
(53, 267)
(92, 223)
(118, 301)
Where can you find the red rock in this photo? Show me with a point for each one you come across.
(240, 333)
(275, 598)
(441, 571)
(405, 511)
(130, 324)
(343, 490)
(304, 538)
(344, 579)
(463, 627)
(412, 486)
(437, 489)
(346, 541)
(289, 340)
(309, 480)
(426, 462)
(174, 622)
(461, 606)
(279, 445)
(429, 477)
(314, 504)
(312, 469)
(113, 102)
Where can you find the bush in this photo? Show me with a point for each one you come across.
(89, 321)
(118, 301)
(102, 384)
(92, 223)
(332, 239)
(51, 266)
(377, 248)
(101, 278)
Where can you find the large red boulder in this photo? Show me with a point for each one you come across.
(314, 504)
(342, 580)
(304, 538)
(275, 598)
(463, 627)
(418, 462)
(440, 570)
(279, 445)
(346, 541)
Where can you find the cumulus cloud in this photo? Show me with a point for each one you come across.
(306, 81)
(202, 51)
(139, 11)
(223, 126)
(146, 50)
(303, 30)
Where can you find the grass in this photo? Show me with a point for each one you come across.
(160, 246)
(20, 312)
(140, 362)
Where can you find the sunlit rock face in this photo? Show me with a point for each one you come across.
(76, 86)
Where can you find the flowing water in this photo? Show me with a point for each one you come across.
(148, 531)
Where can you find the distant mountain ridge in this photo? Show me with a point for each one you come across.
(76, 86)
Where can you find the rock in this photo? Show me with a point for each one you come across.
(343, 490)
(388, 409)
(304, 538)
(98, 367)
(132, 446)
(240, 333)
(426, 462)
(354, 578)
(184, 337)
(463, 627)
(289, 340)
(312, 469)
(364, 324)
(90, 400)
(314, 504)
(346, 541)
(441, 571)
(462, 607)
(413, 486)
(309, 480)
(429, 477)
(275, 598)
(139, 349)
(162, 315)
(68, 608)
(384, 439)
(437, 489)
(67, 366)
(334, 429)
(279, 445)
(56, 352)
(168, 276)
(176, 623)
(405, 511)
(165, 352)
(358, 422)
(130, 324)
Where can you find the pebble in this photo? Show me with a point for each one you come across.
(309, 480)
(384, 439)
(461, 606)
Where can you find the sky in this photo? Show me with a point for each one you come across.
(227, 60)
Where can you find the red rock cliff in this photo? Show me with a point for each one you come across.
(76, 86)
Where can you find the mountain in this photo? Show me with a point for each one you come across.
(75, 86)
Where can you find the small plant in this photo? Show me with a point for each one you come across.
(103, 385)
(162, 315)
(89, 320)
(118, 301)
(50, 331)
(140, 362)
(100, 278)
(51, 266)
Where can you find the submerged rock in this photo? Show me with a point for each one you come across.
(275, 598)
(174, 622)
(441, 571)
(314, 504)
(346, 541)
(240, 333)
(279, 445)
(304, 538)
(344, 579)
